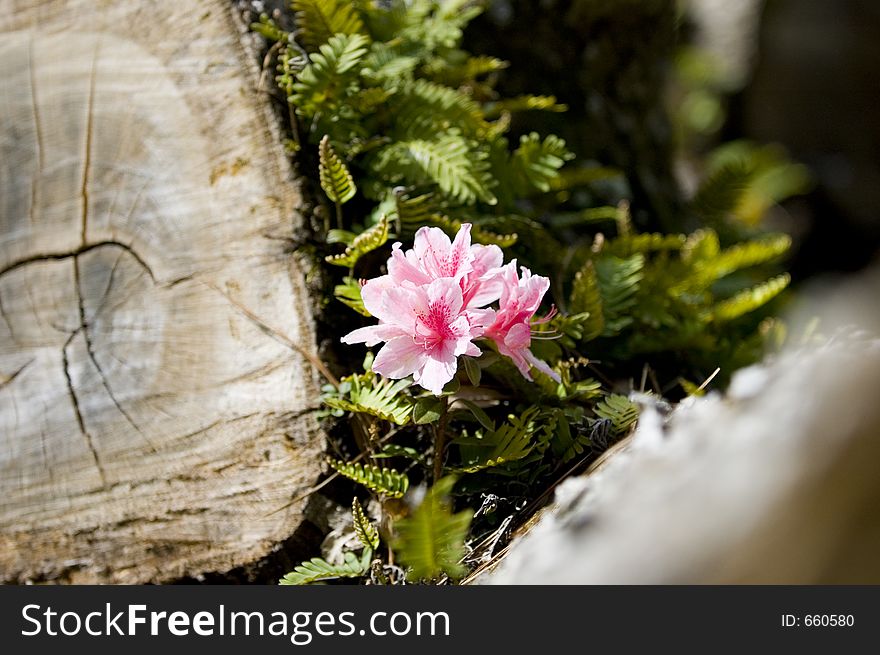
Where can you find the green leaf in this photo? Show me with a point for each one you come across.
(750, 299)
(318, 20)
(380, 397)
(335, 178)
(524, 103)
(379, 479)
(622, 412)
(431, 540)
(365, 530)
(349, 293)
(510, 442)
(428, 410)
(365, 242)
(269, 29)
(478, 413)
(586, 301)
(536, 163)
(449, 161)
(472, 369)
(619, 279)
(317, 569)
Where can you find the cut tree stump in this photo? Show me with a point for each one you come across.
(152, 377)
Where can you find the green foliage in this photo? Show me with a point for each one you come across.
(382, 480)
(333, 173)
(318, 20)
(750, 299)
(431, 540)
(349, 293)
(318, 569)
(363, 528)
(366, 393)
(618, 409)
(365, 242)
(510, 442)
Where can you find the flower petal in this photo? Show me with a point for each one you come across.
(373, 334)
(400, 357)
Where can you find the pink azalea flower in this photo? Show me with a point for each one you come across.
(425, 327)
(511, 331)
(433, 256)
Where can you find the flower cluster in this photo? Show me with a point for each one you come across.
(433, 304)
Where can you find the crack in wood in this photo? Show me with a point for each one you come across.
(8, 379)
(84, 326)
(76, 410)
(35, 180)
(87, 158)
(59, 256)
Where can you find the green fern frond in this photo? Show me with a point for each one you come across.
(366, 241)
(326, 79)
(269, 29)
(536, 163)
(450, 162)
(431, 540)
(388, 67)
(524, 103)
(509, 442)
(379, 397)
(721, 191)
(618, 409)
(317, 569)
(619, 279)
(379, 479)
(564, 445)
(363, 528)
(335, 178)
(349, 293)
(571, 177)
(424, 109)
(750, 299)
(586, 299)
(630, 244)
(464, 70)
(414, 211)
(318, 20)
(750, 253)
(701, 247)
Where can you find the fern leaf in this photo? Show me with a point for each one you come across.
(750, 299)
(318, 20)
(750, 253)
(619, 280)
(450, 162)
(380, 397)
(349, 293)
(586, 299)
(619, 410)
(630, 244)
(425, 109)
(524, 103)
(536, 163)
(326, 79)
(269, 29)
(334, 175)
(365, 242)
(365, 530)
(509, 442)
(564, 445)
(379, 479)
(317, 569)
(721, 191)
(431, 540)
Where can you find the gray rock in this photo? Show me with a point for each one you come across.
(776, 482)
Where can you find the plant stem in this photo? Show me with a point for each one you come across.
(339, 215)
(440, 439)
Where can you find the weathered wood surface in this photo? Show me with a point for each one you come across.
(150, 418)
